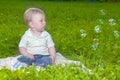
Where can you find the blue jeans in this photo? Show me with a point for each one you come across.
(39, 59)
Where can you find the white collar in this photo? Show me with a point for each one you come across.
(29, 33)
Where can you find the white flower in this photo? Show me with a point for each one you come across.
(83, 33)
(101, 66)
(116, 33)
(112, 21)
(102, 12)
(97, 29)
(94, 47)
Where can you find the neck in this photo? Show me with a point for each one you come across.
(35, 32)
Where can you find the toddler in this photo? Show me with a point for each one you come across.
(36, 45)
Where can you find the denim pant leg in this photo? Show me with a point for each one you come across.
(46, 61)
(25, 60)
(37, 60)
(42, 59)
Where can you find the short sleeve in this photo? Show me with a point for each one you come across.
(50, 42)
(23, 42)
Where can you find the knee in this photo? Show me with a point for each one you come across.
(25, 60)
(46, 61)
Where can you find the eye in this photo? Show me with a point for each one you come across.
(42, 20)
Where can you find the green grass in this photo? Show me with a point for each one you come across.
(64, 22)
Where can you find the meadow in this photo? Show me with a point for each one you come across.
(87, 32)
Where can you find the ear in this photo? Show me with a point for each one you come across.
(30, 24)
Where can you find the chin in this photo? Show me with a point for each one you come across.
(42, 30)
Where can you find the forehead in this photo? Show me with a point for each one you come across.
(38, 15)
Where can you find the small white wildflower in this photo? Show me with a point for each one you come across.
(101, 66)
(97, 29)
(102, 12)
(38, 68)
(116, 33)
(83, 33)
(94, 47)
(112, 21)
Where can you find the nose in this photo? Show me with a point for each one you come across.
(44, 23)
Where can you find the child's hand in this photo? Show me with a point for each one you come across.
(31, 57)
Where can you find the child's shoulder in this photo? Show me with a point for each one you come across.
(45, 33)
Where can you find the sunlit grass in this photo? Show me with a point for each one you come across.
(65, 20)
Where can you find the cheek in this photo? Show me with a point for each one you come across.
(44, 23)
(37, 24)
(33, 23)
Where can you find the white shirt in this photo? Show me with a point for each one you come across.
(36, 45)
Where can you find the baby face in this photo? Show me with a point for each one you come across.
(38, 22)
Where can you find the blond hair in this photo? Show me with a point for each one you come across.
(30, 12)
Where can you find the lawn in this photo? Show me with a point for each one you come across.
(88, 32)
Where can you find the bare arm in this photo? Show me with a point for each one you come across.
(52, 52)
(24, 52)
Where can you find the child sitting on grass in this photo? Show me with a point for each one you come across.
(36, 45)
